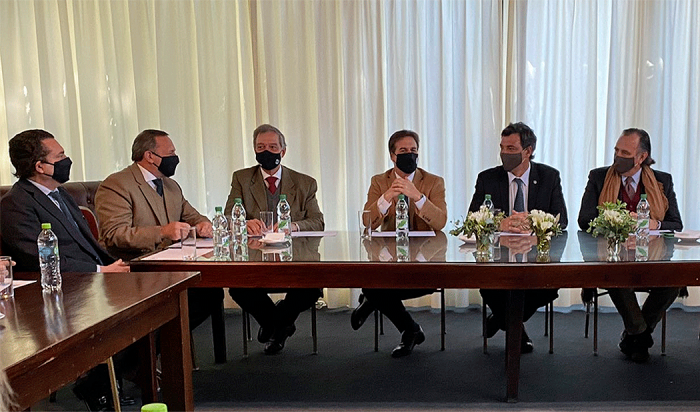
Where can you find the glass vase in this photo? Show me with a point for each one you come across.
(544, 244)
(614, 248)
(484, 247)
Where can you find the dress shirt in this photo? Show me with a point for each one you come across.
(384, 204)
(277, 174)
(635, 179)
(148, 177)
(513, 189)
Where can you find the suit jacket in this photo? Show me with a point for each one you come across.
(544, 191)
(300, 189)
(596, 178)
(131, 212)
(24, 208)
(432, 216)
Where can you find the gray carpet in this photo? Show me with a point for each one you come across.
(348, 375)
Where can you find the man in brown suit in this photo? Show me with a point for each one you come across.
(427, 210)
(141, 209)
(260, 187)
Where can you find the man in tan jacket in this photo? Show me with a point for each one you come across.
(427, 210)
(141, 209)
(259, 187)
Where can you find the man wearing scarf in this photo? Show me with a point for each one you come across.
(627, 179)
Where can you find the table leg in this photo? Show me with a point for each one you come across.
(513, 336)
(176, 360)
(147, 368)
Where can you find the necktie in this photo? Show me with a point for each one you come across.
(271, 181)
(55, 195)
(628, 186)
(159, 186)
(519, 205)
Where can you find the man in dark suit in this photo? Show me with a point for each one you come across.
(427, 210)
(516, 187)
(42, 166)
(260, 187)
(627, 179)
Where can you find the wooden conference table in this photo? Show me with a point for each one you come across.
(49, 339)
(342, 260)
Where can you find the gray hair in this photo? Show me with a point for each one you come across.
(264, 128)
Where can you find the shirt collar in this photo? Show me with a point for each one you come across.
(147, 176)
(277, 174)
(635, 177)
(525, 177)
(45, 190)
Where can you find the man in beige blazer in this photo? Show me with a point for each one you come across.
(259, 187)
(141, 209)
(427, 210)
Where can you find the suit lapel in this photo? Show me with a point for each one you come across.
(155, 202)
(288, 187)
(503, 191)
(533, 187)
(84, 238)
(257, 188)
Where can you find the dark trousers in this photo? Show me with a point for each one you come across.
(389, 302)
(637, 319)
(497, 300)
(266, 313)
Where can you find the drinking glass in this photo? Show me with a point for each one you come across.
(365, 221)
(188, 239)
(6, 290)
(268, 219)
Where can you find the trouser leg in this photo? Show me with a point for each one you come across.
(295, 302)
(535, 299)
(626, 303)
(389, 302)
(257, 303)
(657, 302)
(497, 301)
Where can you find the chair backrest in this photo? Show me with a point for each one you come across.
(91, 220)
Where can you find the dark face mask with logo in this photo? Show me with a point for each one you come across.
(167, 164)
(268, 160)
(623, 164)
(61, 170)
(511, 160)
(407, 162)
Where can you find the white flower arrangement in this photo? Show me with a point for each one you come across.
(544, 225)
(479, 223)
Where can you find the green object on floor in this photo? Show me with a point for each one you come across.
(154, 407)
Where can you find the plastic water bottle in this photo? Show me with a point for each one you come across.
(222, 247)
(401, 218)
(641, 252)
(284, 218)
(49, 260)
(239, 229)
(403, 250)
(488, 203)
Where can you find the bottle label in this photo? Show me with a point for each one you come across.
(401, 224)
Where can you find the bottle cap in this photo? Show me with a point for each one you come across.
(644, 196)
(283, 197)
(218, 209)
(487, 197)
(237, 200)
(46, 226)
(402, 197)
(154, 407)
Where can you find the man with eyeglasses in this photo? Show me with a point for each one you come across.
(259, 187)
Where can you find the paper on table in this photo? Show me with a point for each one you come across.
(202, 242)
(313, 234)
(18, 283)
(411, 233)
(175, 254)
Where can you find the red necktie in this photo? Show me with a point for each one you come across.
(271, 180)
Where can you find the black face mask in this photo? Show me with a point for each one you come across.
(407, 162)
(623, 164)
(268, 160)
(167, 164)
(511, 160)
(61, 170)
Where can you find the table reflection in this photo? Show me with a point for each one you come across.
(418, 249)
(596, 249)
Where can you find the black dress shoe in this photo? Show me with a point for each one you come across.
(361, 313)
(526, 345)
(409, 339)
(276, 343)
(94, 398)
(493, 325)
(636, 347)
